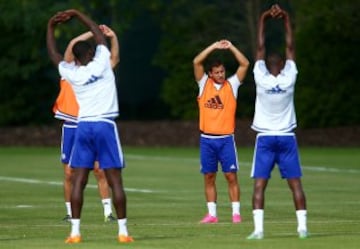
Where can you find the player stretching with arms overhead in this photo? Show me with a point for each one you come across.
(275, 121)
(217, 107)
(96, 137)
(66, 108)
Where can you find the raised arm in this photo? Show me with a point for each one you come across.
(93, 27)
(68, 55)
(114, 50)
(54, 54)
(114, 44)
(198, 61)
(242, 60)
(64, 16)
(260, 46)
(289, 39)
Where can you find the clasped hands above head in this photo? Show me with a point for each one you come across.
(223, 44)
(276, 11)
(64, 16)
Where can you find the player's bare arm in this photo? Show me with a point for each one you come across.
(53, 52)
(114, 43)
(108, 32)
(289, 40)
(94, 28)
(260, 47)
(199, 69)
(68, 55)
(242, 60)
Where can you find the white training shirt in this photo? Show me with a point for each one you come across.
(94, 86)
(274, 105)
(233, 80)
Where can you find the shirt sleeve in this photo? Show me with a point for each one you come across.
(202, 82)
(260, 72)
(235, 83)
(260, 68)
(287, 77)
(290, 67)
(66, 70)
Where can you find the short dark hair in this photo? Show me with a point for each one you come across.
(81, 51)
(214, 63)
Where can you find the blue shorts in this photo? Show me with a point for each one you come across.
(276, 149)
(67, 140)
(97, 141)
(215, 149)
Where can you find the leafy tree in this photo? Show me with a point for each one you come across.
(24, 87)
(327, 53)
(188, 27)
(158, 41)
(28, 81)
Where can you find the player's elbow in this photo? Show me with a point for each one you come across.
(196, 61)
(245, 63)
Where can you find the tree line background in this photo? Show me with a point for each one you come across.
(158, 41)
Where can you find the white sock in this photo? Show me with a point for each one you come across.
(235, 207)
(68, 208)
(75, 227)
(107, 206)
(122, 227)
(301, 219)
(212, 208)
(258, 216)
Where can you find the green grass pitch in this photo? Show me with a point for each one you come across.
(166, 201)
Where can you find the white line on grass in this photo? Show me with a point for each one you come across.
(242, 163)
(34, 181)
(162, 158)
(332, 170)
